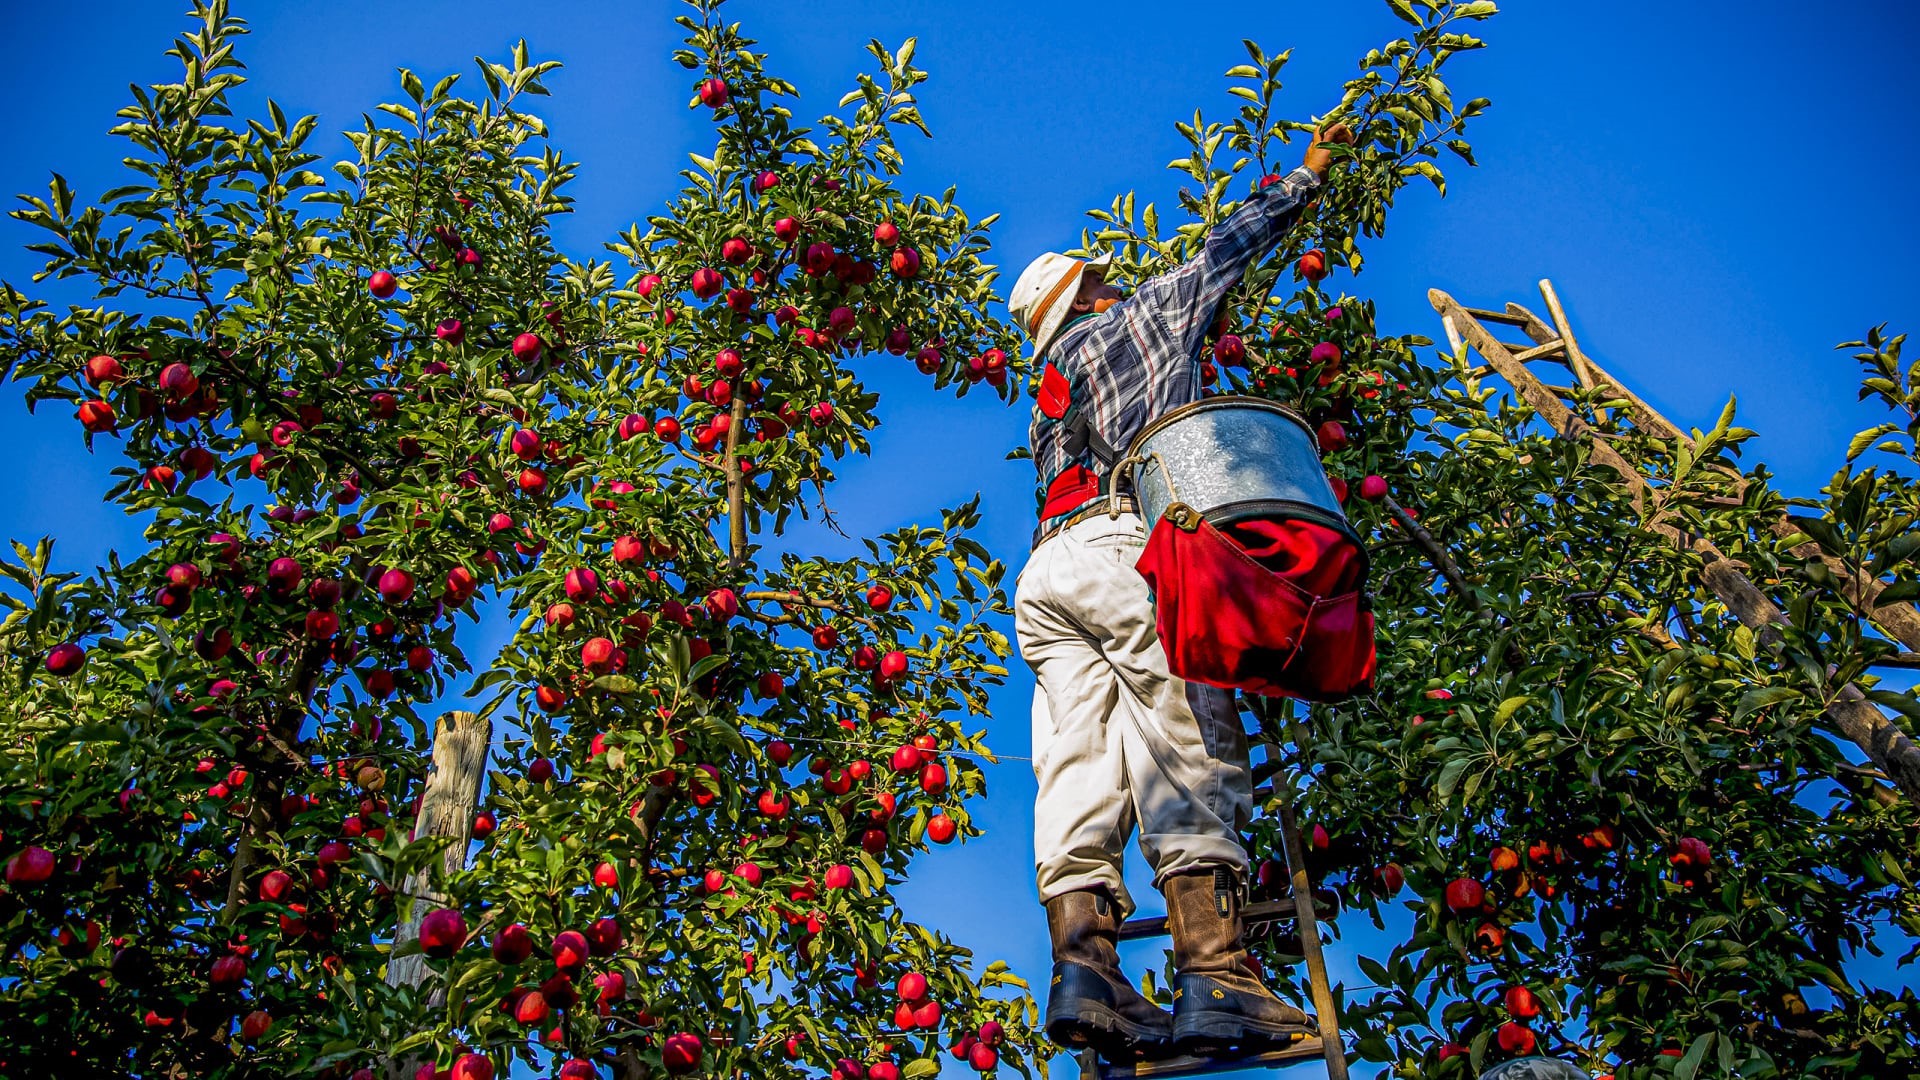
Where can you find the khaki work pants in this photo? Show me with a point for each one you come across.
(1118, 742)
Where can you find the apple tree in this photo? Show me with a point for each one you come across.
(374, 423)
(1617, 823)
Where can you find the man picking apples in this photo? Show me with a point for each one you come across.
(1118, 742)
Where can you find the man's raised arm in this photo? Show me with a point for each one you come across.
(1184, 299)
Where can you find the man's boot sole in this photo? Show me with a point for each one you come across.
(1109, 1034)
(1227, 1036)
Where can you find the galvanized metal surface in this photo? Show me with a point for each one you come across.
(1226, 452)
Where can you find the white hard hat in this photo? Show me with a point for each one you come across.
(1043, 296)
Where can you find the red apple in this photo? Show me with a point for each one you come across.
(1693, 852)
(681, 1053)
(65, 659)
(255, 1025)
(527, 347)
(597, 655)
(96, 417)
(31, 866)
(104, 370)
(893, 665)
(1521, 1003)
(471, 1067)
(886, 234)
(227, 973)
(442, 932)
(570, 950)
(276, 885)
(1373, 488)
(1465, 894)
(531, 1008)
(839, 876)
(1313, 265)
(1332, 437)
(396, 586)
(605, 937)
(941, 828)
(382, 284)
(933, 778)
(512, 944)
(714, 93)
(912, 987)
(905, 263)
(1515, 1038)
(707, 282)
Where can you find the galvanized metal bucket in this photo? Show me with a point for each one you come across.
(1231, 459)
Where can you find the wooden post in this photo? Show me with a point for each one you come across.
(460, 744)
(736, 485)
(1884, 743)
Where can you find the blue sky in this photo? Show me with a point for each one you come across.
(1720, 191)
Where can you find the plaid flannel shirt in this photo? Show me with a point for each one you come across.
(1140, 359)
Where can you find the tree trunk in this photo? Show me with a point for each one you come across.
(460, 746)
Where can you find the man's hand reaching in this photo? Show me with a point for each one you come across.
(1319, 158)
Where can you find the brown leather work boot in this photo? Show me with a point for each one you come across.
(1090, 1001)
(1220, 1009)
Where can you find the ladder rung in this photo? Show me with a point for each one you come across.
(1538, 351)
(1502, 317)
(1302, 1051)
(1265, 911)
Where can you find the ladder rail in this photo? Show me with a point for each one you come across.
(1332, 1045)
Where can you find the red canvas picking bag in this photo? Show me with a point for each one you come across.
(1272, 605)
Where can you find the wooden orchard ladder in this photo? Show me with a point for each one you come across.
(1297, 908)
(1882, 740)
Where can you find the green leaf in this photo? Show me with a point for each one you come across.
(617, 684)
(1690, 1061)
(706, 665)
(1761, 697)
(1898, 593)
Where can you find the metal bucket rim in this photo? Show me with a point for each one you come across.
(1221, 401)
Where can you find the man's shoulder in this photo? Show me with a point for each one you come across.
(1070, 346)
